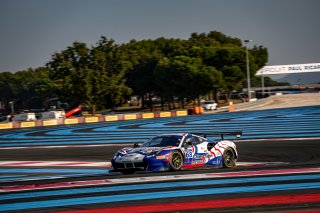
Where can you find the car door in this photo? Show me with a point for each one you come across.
(195, 150)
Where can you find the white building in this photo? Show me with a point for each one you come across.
(295, 74)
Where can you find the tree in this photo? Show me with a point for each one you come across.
(6, 88)
(268, 82)
(233, 77)
(184, 77)
(144, 56)
(91, 76)
(68, 70)
(97, 76)
(226, 55)
(110, 63)
(28, 88)
(260, 56)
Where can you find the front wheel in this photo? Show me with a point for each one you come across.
(229, 158)
(176, 160)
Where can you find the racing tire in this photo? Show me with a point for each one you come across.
(176, 160)
(228, 158)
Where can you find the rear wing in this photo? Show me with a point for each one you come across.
(238, 134)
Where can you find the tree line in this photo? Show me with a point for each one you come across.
(104, 75)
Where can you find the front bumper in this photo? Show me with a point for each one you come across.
(129, 165)
(146, 165)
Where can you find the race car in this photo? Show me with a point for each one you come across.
(176, 152)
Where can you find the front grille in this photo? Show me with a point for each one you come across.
(130, 165)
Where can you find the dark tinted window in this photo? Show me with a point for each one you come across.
(163, 141)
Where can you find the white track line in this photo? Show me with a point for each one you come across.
(96, 164)
(67, 146)
(151, 179)
(54, 163)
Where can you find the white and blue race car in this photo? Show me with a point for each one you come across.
(176, 152)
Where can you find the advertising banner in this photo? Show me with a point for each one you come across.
(289, 69)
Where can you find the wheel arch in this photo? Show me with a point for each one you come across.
(235, 152)
(226, 163)
(171, 162)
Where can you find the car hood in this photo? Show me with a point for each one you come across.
(147, 150)
(138, 154)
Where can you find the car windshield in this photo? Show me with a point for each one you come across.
(163, 141)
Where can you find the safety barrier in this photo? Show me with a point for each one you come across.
(91, 119)
(131, 116)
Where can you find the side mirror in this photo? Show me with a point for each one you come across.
(135, 145)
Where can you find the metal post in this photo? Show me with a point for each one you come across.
(262, 84)
(12, 107)
(248, 69)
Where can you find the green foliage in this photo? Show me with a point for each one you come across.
(260, 56)
(68, 70)
(91, 76)
(184, 77)
(233, 76)
(28, 89)
(268, 82)
(103, 75)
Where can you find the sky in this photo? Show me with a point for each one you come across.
(32, 30)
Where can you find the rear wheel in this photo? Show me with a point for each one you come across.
(229, 158)
(176, 160)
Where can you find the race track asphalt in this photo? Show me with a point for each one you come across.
(280, 170)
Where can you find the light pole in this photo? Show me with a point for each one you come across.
(248, 69)
(262, 84)
(11, 103)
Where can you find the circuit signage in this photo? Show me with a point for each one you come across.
(293, 68)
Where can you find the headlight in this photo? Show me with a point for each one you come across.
(161, 157)
(152, 154)
(118, 154)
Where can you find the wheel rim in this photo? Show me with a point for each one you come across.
(229, 158)
(176, 160)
